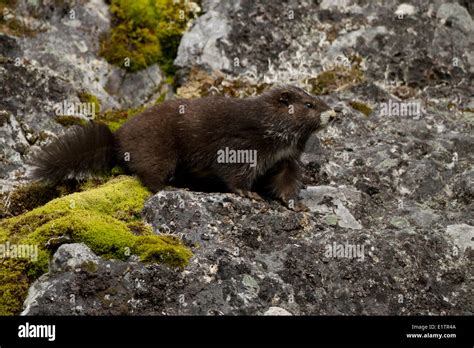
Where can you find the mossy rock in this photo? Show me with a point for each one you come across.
(106, 218)
(362, 107)
(28, 197)
(145, 32)
(337, 78)
(12, 26)
(67, 120)
(114, 119)
(201, 84)
(85, 97)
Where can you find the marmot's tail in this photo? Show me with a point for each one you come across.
(77, 154)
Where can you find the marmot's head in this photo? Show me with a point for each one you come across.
(295, 110)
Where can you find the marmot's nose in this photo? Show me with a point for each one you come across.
(328, 116)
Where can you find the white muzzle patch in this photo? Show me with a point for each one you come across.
(326, 116)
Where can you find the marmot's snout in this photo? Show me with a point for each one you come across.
(327, 117)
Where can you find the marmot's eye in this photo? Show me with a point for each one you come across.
(309, 105)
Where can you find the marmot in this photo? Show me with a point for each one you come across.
(249, 145)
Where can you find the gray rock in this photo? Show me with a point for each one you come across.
(313, 196)
(70, 257)
(54, 66)
(29, 96)
(199, 45)
(136, 89)
(277, 311)
(424, 217)
(254, 257)
(399, 222)
(457, 14)
(462, 235)
(70, 47)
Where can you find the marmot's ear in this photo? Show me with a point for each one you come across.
(285, 98)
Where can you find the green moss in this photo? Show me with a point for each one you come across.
(164, 249)
(144, 32)
(14, 285)
(161, 98)
(67, 120)
(337, 78)
(28, 197)
(117, 170)
(138, 228)
(105, 218)
(362, 107)
(12, 25)
(116, 118)
(90, 99)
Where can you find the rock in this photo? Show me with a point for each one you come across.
(399, 222)
(29, 96)
(424, 217)
(70, 257)
(313, 196)
(277, 311)
(253, 257)
(456, 15)
(405, 10)
(137, 89)
(199, 45)
(463, 186)
(53, 66)
(462, 235)
(9, 47)
(70, 47)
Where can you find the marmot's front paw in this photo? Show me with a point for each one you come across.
(249, 194)
(296, 206)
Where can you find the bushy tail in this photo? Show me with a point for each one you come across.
(77, 154)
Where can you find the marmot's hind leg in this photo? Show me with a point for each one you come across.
(154, 171)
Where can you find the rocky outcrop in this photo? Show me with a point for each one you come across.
(26, 111)
(57, 63)
(389, 187)
(67, 42)
(252, 256)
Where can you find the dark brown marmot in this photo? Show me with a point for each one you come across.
(247, 145)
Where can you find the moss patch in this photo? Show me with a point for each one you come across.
(116, 118)
(67, 120)
(9, 24)
(337, 78)
(106, 218)
(362, 107)
(28, 197)
(161, 98)
(85, 97)
(202, 84)
(145, 32)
